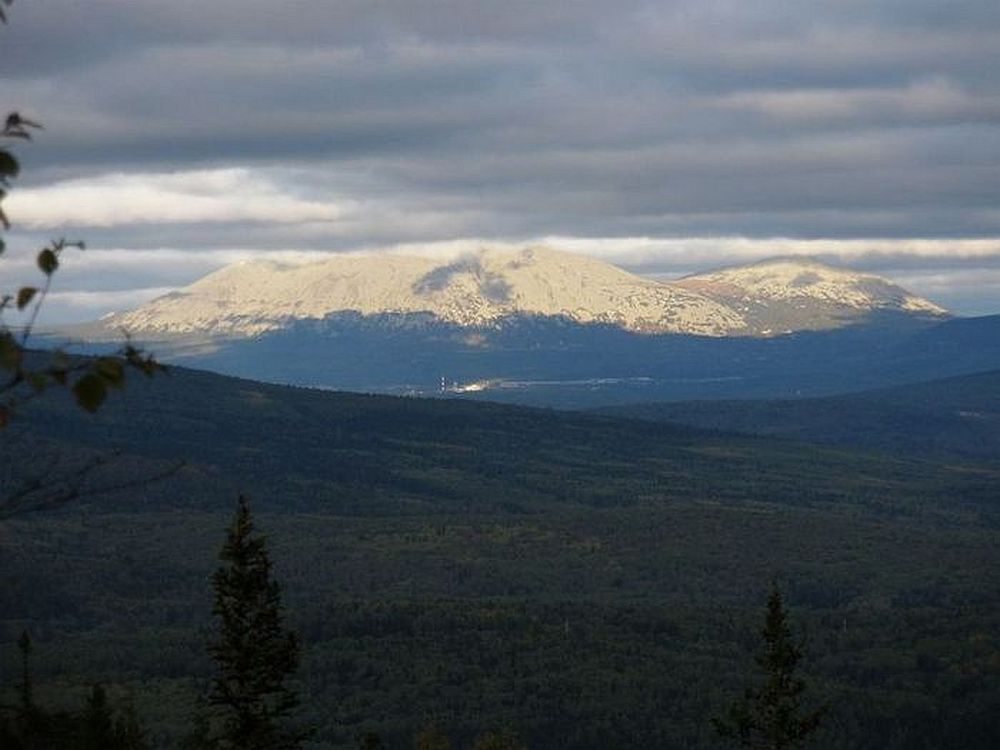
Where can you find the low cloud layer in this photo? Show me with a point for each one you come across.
(686, 134)
(199, 197)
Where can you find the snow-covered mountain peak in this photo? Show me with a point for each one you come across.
(480, 286)
(475, 288)
(796, 293)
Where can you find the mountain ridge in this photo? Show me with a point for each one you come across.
(535, 325)
(483, 287)
(790, 293)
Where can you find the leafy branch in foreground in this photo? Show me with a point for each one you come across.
(24, 375)
(24, 378)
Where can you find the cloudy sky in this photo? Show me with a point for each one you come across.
(665, 136)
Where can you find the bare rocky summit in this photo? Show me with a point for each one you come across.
(782, 295)
(483, 287)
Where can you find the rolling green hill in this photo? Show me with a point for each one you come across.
(950, 418)
(595, 581)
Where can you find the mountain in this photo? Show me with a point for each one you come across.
(782, 295)
(543, 327)
(473, 290)
(483, 288)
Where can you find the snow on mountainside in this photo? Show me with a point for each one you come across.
(476, 289)
(481, 288)
(788, 294)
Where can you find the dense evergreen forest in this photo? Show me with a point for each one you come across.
(586, 581)
(952, 418)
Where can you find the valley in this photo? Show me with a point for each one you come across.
(436, 552)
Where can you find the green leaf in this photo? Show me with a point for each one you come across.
(48, 262)
(111, 370)
(8, 165)
(90, 392)
(10, 352)
(24, 296)
(147, 365)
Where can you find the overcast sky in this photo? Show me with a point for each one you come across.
(668, 137)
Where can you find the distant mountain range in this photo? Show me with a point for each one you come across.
(485, 287)
(539, 326)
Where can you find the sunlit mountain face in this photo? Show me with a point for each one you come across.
(486, 286)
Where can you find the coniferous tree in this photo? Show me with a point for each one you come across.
(97, 728)
(31, 725)
(25, 691)
(129, 734)
(771, 716)
(250, 699)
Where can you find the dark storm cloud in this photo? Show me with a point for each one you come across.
(368, 122)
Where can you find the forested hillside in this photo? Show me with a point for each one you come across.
(592, 581)
(949, 418)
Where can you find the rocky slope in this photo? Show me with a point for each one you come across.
(479, 289)
(473, 290)
(793, 294)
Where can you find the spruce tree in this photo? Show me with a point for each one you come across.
(250, 699)
(97, 731)
(31, 725)
(771, 715)
(129, 734)
(25, 690)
